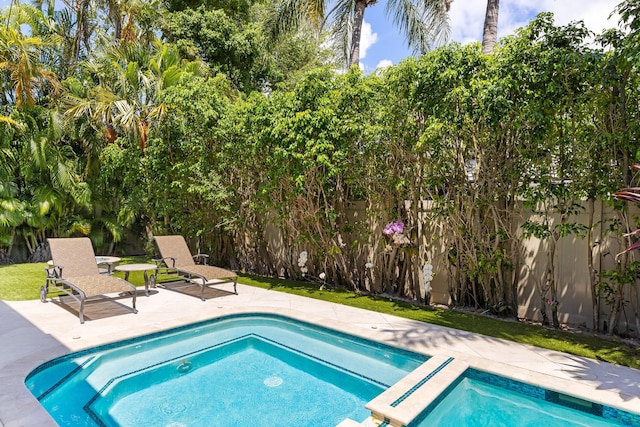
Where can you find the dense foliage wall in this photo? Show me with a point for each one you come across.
(472, 153)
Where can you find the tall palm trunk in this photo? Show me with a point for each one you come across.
(422, 21)
(358, 19)
(490, 32)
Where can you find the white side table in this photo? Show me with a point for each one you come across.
(108, 260)
(128, 268)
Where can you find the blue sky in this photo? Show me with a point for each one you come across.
(387, 46)
(383, 45)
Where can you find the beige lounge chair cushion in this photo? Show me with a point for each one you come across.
(78, 261)
(101, 284)
(75, 255)
(208, 271)
(175, 247)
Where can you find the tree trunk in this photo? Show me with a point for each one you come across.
(635, 306)
(547, 282)
(358, 19)
(391, 269)
(116, 19)
(618, 286)
(615, 310)
(515, 256)
(553, 244)
(490, 32)
(595, 298)
(543, 312)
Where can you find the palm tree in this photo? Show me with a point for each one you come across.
(82, 13)
(57, 29)
(20, 60)
(490, 32)
(126, 17)
(11, 207)
(113, 10)
(130, 77)
(41, 191)
(424, 22)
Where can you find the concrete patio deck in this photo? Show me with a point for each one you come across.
(33, 332)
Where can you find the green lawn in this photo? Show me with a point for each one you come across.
(22, 282)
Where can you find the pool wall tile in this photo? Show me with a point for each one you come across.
(623, 417)
(604, 411)
(507, 383)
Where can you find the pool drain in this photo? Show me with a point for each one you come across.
(173, 409)
(273, 381)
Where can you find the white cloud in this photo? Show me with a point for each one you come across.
(384, 63)
(594, 13)
(467, 16)
(367, 39)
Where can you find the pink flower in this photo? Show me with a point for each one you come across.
(392, 228)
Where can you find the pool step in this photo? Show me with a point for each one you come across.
(405, 400)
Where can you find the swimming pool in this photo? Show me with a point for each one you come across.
(270, 370)
(478, 399)
(258, 370)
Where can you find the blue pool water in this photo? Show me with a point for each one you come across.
(479, 399)
(267, 383)
(250, 370)
(272, 371)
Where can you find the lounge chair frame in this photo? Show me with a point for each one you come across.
(174, 250)
(87, 282)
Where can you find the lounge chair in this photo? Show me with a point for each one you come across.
(75, 272)
(176, 258)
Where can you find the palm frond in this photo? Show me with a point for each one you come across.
(61, 176)
(197, 67)
(11, 212)
(81, 226)
(11, 123)
(35, 18)
(112, 226)
(425, 23)
(7, 162)
(170, 77)
(37, 152)
(341, 30)
(288, 16)
(159, 112)
(82, 193)
(125, 114)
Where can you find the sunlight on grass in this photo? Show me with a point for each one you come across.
(20, 282)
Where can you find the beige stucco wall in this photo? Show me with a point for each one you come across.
(572, 274)
(574, 287)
